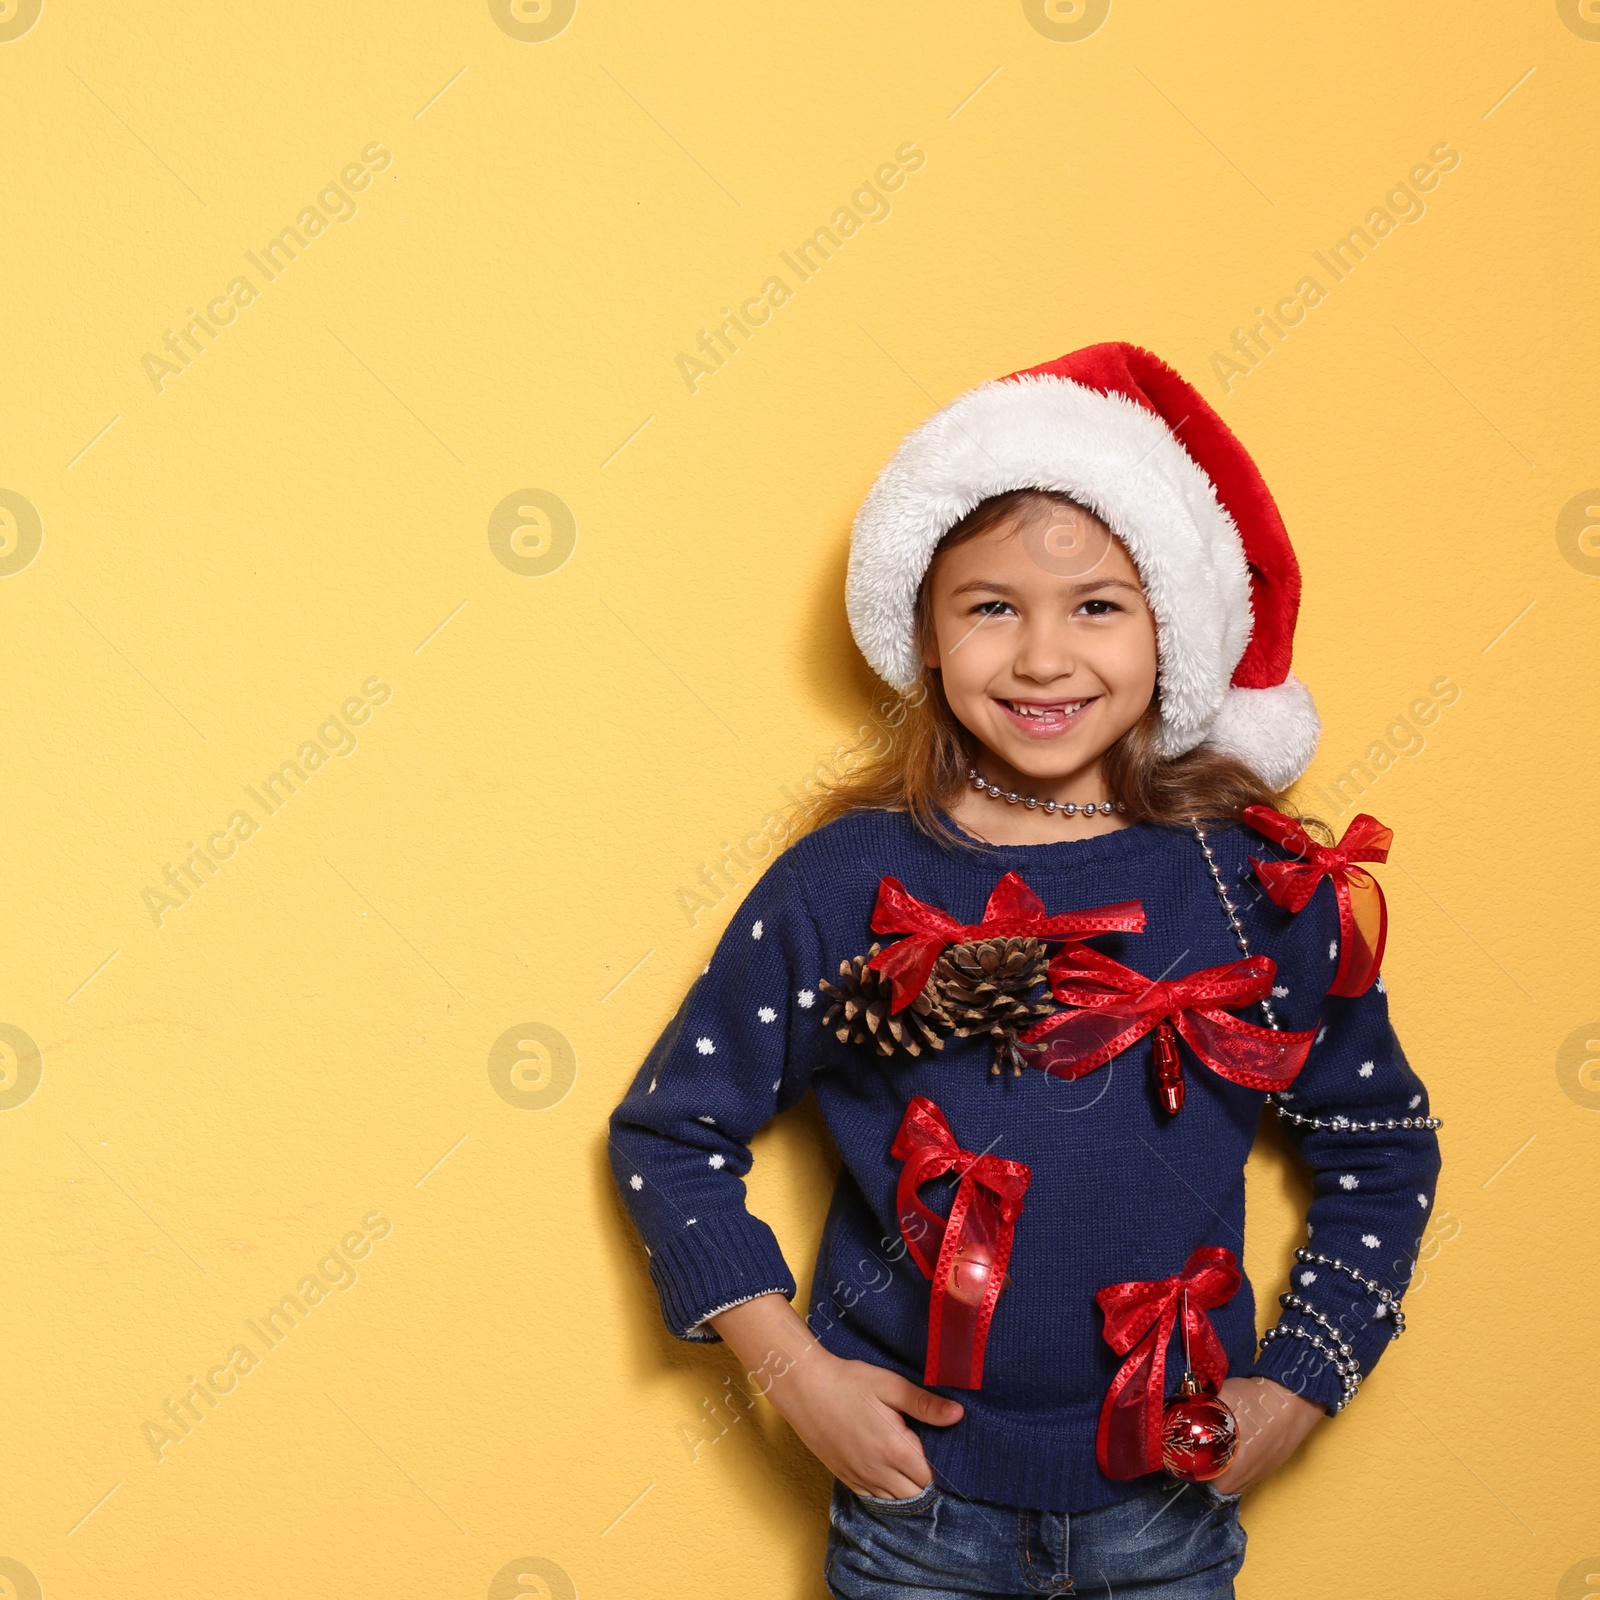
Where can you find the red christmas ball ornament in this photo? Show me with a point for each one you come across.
(968, 1278)
(1198, 1433)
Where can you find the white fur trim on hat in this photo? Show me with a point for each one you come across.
(1126, 465)
(1274, 730)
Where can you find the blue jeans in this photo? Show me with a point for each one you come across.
(1178, 1541)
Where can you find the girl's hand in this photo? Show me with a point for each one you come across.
(848, 1415)
(1272, 1422)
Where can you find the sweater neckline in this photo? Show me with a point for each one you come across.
(1138, 838)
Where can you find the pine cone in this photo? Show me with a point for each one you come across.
(985, 986)
(859, 1012)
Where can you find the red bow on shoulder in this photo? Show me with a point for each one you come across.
(1363, 916)
(1128, 1441)
(1117, 1006)
(965, 1254)
(1014, 911)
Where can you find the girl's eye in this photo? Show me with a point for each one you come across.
(984, 608)
(1109, 607)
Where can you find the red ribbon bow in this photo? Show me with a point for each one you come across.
(964, 1255)
(1363, 916)
(1014, 911)
(1118, 1006)
(1128, 1442)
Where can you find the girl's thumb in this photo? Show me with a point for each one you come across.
(929, 1407)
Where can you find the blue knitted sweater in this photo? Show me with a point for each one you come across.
(1120, 1189)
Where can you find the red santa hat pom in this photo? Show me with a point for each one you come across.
(1118, 430)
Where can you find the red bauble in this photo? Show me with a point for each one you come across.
(968, 1277)
(1198, 1433)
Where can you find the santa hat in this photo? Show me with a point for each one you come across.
(1118, 430)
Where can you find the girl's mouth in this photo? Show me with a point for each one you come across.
(1044, 719)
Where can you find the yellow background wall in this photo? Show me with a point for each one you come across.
(380, 1044)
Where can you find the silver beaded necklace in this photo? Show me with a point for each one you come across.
(1067, 808)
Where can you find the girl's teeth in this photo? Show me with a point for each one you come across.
(1042, 711)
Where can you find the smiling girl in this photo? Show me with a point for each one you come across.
(1043, 958)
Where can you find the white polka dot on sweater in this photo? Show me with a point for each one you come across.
(1279, 992)
(636, 1182)
(711, 1120)
(1379, 986)
(1416, 1100)
(755, 929)
(1308, 1277)
(1381, 1310)
(652, 1088)
(1422, 1200)
(689, 1222)
(1371, 1240)
(806, 998)
(705, 1046)
(1348, 1180)
(715, 1160)
(767, 1014)
(1333, 949)
(777, 1086)
(1366, 1069)
(705, 969)
(1322, 1033)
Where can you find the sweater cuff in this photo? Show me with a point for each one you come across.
(1316, 1357)
(713, 1263)
(1301, 1368)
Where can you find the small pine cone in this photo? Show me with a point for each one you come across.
(859, 1011)
(985, 987)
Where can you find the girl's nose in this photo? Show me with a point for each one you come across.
(1043, 655)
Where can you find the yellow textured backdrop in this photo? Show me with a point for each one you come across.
(376, 1045)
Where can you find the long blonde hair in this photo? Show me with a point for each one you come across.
(915, 754)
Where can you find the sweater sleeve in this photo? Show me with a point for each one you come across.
(742, 1047)
(1357, 1114)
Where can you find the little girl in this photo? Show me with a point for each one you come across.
(1042, 959)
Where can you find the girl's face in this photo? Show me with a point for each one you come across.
(1045, 642)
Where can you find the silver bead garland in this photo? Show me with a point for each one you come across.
(1232, 911)
(1348, 1385)
(1340, 1123)
(1390, 1299)
(1343, 1124)
(1341, 1359)
(1292, 1299)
